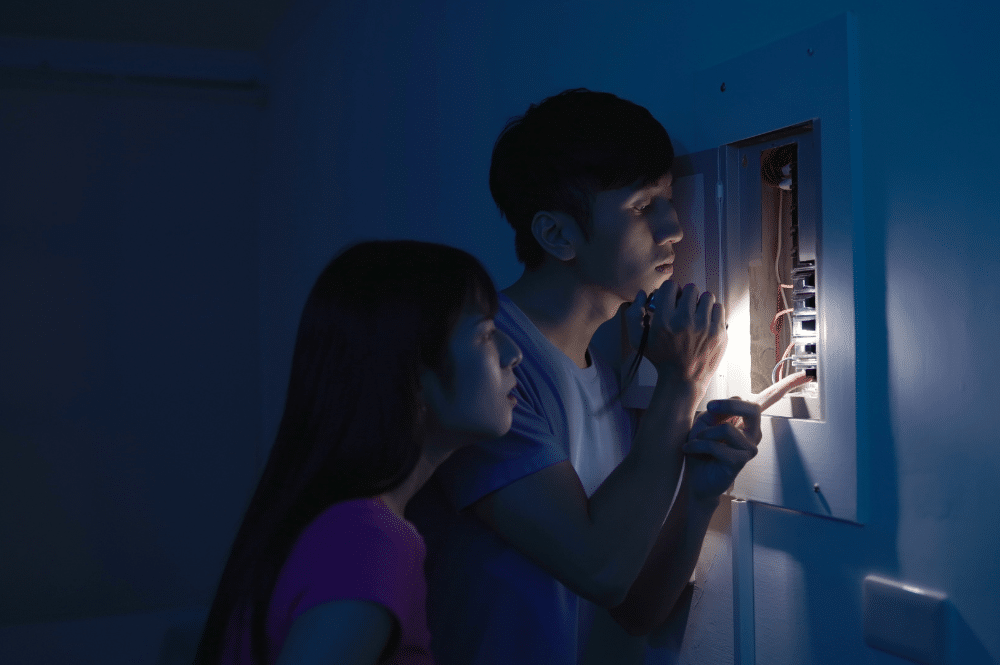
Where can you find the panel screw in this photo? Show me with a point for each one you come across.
(744, 161)
(722, 88)
(816, 487)
(809, 51)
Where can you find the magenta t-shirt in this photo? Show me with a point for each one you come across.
(359, 550)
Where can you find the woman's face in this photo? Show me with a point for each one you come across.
(478, 400)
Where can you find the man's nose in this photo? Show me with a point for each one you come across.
(668, 227)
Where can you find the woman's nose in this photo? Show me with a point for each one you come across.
(511, 352)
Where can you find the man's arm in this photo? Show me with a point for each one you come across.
(598, 546)
(717, 452)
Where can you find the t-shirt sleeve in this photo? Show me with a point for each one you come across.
(533, 443)
(345, 558)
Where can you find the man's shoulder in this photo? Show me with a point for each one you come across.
(513, 321)
(543, 366)
(536, 357)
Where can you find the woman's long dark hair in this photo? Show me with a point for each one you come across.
(378, 314)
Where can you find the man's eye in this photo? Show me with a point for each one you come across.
(641, 208)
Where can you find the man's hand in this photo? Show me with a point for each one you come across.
(687, 334)
(717, 449)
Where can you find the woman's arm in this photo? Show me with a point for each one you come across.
(340, 632)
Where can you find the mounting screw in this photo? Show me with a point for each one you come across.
(816, 488)
(744, 164)
(722, 88)
(809, 51)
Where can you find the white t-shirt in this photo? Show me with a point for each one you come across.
(487, 603)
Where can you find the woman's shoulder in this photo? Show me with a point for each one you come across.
(359, 525)
(351, 549)
(362, 510)
(353, 555)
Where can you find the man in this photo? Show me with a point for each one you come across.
(566, 522)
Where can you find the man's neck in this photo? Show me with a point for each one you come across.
(564, 311)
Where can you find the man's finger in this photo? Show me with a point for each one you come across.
(733, 457)
(727, 434)
(770, 395)
(733, 407)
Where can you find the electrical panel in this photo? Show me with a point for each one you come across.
(769, 206)
(771, 262)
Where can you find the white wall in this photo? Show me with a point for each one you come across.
(129, 402)
(382, 120)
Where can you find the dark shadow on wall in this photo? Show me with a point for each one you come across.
(129, 346)
(968, 649)
(180, 643)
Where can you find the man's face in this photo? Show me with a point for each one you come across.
(633, 232)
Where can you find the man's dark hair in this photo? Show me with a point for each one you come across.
(564, 151)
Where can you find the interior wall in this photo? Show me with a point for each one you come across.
(383, 118)
(129, 402)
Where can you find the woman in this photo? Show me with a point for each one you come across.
(396, 365)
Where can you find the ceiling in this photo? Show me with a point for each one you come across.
(225, 24)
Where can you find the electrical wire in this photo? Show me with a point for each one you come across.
(784, 359)
(647, 315)
(774, 321)
(777, 254)
(786, 310)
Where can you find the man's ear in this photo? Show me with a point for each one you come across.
(557, 233)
